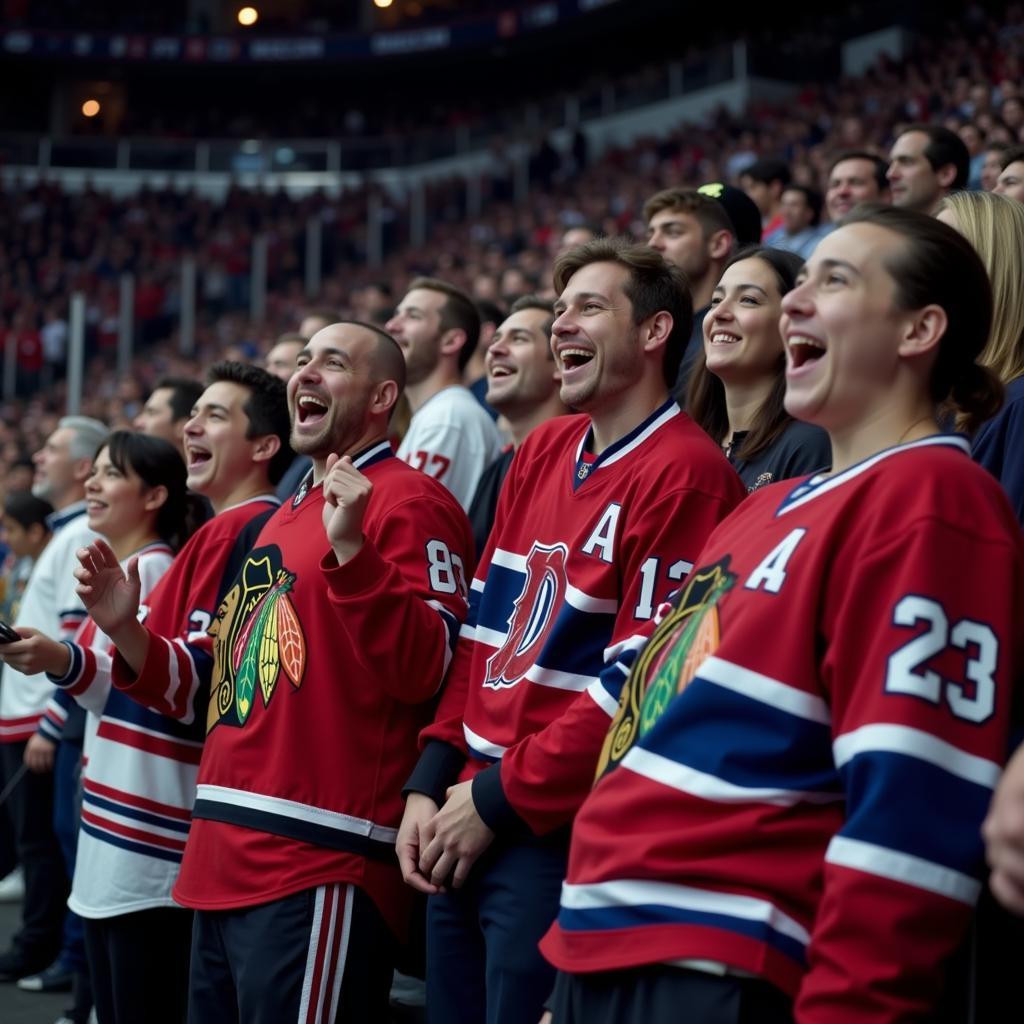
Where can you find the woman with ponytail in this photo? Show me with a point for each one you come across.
(137, 499)
(994, 225)
(786, 818)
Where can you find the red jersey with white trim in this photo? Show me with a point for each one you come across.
(804, 751)
(582, 551)
(322, 677)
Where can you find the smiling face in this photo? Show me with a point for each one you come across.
(596, 344)
(851, 182)
(218, 454)
(330, 392)
(741, 330)
(117, 502)
(416, 326)
(841, 329)
(520, 371)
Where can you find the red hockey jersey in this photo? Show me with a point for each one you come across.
(804, 751)
(582, 551)
(321, 680)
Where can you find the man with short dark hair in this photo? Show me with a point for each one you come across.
(1010, 182)
(168, 408)
(523, 383)
(856, 176)
(698, 230)
(599, 519)
(926, 163)
(280, 360)
(763, 181)
(450, 437)
(329, 647)
(801, 214)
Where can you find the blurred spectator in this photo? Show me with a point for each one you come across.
(280, 360)
(994, 225)
(992, 164)
(926, 163)
(1011, 178)
(801, 221)
(697, 230)
(764, 181)
(855, 176)
(316, 320)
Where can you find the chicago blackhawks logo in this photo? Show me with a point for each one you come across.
(532, 617)
(257, 637)
(667, 665)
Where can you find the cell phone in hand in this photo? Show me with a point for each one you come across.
(7, 633)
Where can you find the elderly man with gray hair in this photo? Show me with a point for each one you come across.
(29, 729)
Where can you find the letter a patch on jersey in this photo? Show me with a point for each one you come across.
(532, 618)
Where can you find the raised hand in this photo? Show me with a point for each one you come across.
(110, 596)
(346, 495)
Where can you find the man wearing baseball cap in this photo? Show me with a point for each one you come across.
(698, 230)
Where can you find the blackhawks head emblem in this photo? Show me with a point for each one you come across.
(665, 667)
(257, 639)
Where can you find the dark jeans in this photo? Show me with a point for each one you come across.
(46, 884)
(483, 965)
(67, 813)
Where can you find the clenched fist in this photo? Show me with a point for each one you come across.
(346, 495)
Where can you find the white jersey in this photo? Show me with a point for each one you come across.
(453, 439)
(50, 605)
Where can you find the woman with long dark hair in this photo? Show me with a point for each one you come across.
(738, 383)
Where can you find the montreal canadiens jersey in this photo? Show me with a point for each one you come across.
(139, 776)
(453, 439)
(796, 775)
(582, 552)
(322, 676)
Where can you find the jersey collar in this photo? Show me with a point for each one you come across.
(376, 452)
(811, 488)
(585, 468)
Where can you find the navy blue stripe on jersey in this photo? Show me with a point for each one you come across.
(121, 708)
(744, 742)
(127, 844)
(127, 811)
(372, 455)
(611, 918)
(891, 793)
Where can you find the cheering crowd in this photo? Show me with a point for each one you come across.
(590, 626)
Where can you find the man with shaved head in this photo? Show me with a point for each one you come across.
(326, 654)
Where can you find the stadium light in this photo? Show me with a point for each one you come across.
(90, 108)
(382, 3)
(247, 16)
